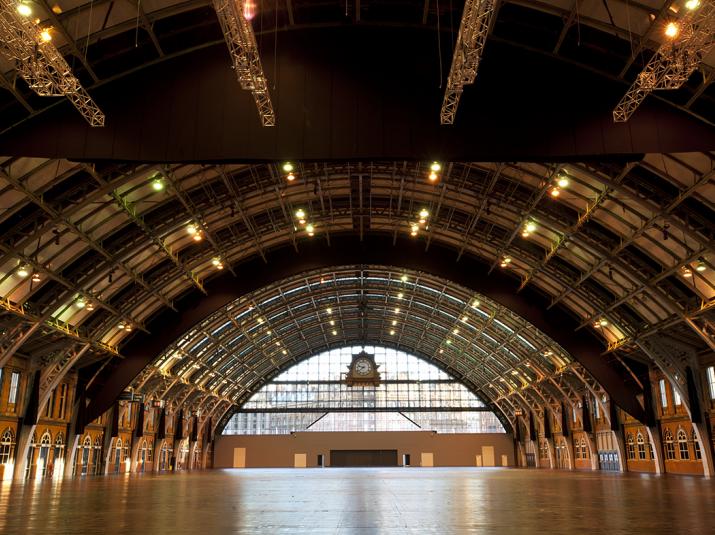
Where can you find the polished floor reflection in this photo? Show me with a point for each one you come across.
(362, 501)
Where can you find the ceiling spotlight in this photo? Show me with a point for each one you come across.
(672, 29)
(249, 9)
(692, 4)
(455, 331)
(198, 236)
(563, 181)
(424, 214)
(414, 228)
(465, 319)
(287, 167)
(701, 266)
(441, 351)
(435, 167)
(403, 278)
(24, 9)
(332, 322)
(284, 352)
(157, 184)
(191, 229)
(530, 226)
(300, 215)
(687, 272)
(449, 342)
(603, 322)
(400, 295)
(81, 303)
(433, 176)
(394, 322)
(329, 310)
(392, 331)
(216, 261)
(128, 327)
(290, 177)
(310, 229)
(525, 234)
(90, 306)
(36, 277)
(219, 266)
(335, 333)
(555, 192)
(397, 310)
(121, 325)
(475, 303)
(45, 35)
(23, 271)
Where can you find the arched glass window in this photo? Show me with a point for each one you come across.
(630, 447)
(696, 446)
(96, 464)
(683, 445)
(7, 446)
(669, 446)
(641, 446)
(413, 394)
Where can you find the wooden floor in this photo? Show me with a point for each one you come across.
(362, 501)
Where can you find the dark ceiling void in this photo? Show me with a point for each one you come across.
(359, 92)
(284, 262)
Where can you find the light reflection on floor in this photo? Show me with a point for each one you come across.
(362, 501)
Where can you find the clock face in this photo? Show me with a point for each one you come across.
(362, 367)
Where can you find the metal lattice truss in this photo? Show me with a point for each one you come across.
(674, 61)
(241, 42)
(473, 31)
(628, 248)
(41, 64)
(494, 352)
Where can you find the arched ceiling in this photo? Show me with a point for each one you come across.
(106, 40)
(618, 250)
(503, 359)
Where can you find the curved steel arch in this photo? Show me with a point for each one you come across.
(468, 273)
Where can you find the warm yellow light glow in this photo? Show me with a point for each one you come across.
(300, 213)
(215, 261)
(287, 167)
(36, 277)
(433, 176)
(435, 167)
(191, 229)
(290, 177)
(284, 352)
(128, 328)
(23, 271)
(692, 4)
(400, 295)
(701, 266)
(403, 278)
(310, 228)
(249, 9)
(475, 303)
(413, 233)
(687, 272)
(392, 331)
(424, 214)
(335, 332)
(397, 310)
(157, 184)
(563, 181)
(329, 310)
(531, 226)
(259, 320)
(332, 322)
(455, 331)
(465, 319)
(24, 9)
(394, 322)
(46, 36)
(81, 303)
(603, 322)
(449, 342)
(198, 237)
(555, 192)
(672, 29)
(525, 234)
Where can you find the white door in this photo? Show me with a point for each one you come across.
(488, 455)
(427, 459)
(239, 457)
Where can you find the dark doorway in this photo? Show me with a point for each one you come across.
(320, 460)
(363, 457)
(405, 459)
